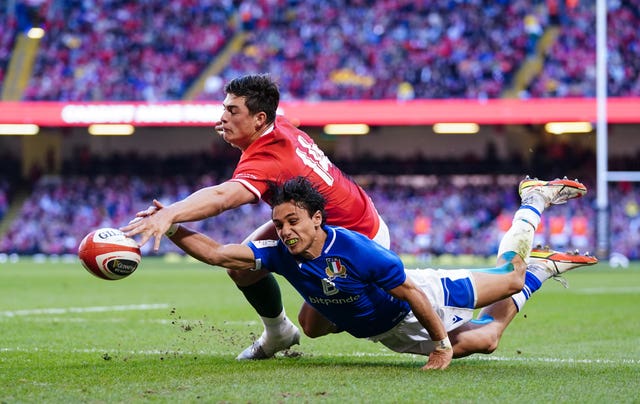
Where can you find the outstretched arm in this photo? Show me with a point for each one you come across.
(422, 309)
(204, 203)
(209, 251)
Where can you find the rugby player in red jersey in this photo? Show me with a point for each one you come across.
(273, 151)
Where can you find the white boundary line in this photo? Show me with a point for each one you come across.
(496, 358)
(622, 290)
(55, 319)
(479, 357)
(618, 291)
(94, 309)
(559, 360)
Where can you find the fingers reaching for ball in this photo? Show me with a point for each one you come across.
(157, 205)
(149, 223)
(147, 212)
(135, 220)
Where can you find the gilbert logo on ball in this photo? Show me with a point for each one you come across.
(108, 254)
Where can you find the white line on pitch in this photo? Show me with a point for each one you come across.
(504, 359)
(629, 290)
(600, 291)
(67, 319)
(559, 360)
(94, 309)
(339, 355)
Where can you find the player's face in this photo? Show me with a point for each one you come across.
(239, 127)
(298, 231)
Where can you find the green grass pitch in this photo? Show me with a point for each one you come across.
(170, 332)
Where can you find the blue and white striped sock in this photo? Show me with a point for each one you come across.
(533, 280)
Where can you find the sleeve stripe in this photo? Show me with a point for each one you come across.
(248, 185)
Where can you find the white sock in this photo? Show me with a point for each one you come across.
(536, 200)
(275, 326)
(519, 299)
(539, 273)
(519, 239)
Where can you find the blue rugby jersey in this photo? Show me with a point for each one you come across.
(347, 283)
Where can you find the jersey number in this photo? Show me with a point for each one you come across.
(314, 158)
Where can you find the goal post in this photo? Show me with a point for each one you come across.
(604, 176)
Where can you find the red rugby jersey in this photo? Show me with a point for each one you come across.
(286, 152)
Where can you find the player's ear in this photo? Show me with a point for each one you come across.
(317, 218)
(260, 119)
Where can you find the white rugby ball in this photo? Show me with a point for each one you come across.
(108, 254)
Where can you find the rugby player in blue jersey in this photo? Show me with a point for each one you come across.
(364, 289)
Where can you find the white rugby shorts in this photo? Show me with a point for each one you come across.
(452, 294)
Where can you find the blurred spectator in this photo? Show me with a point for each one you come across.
(580, 230)
(422, 234)
(4, 197)
(30, 14)
(558, 231)
(7, 38)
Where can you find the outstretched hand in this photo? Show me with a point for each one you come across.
(151, 223)
(439, 359)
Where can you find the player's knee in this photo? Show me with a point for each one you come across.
(465, 344)
(517, 284)
(491, 346)
(308, 327)
(314, 325)
(517, 277)
(490, 341)
(312, 332)
(487, 342)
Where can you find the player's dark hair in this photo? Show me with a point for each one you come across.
(302, 193)
(260, 92)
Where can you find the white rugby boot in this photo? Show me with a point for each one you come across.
(554, 192)
(266, 346)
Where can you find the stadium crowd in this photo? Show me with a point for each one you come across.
(427, 215)
(4, 197)
(337, 49)
(388, 49)
(113, 50)
(7, 37)
(570, 66)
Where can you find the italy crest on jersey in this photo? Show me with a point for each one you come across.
(335, 268)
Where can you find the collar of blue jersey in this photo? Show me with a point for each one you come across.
(331, 237)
